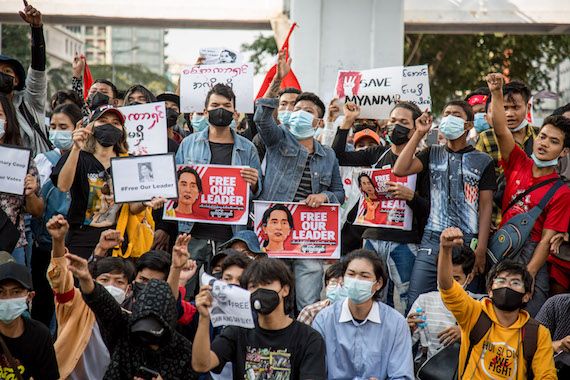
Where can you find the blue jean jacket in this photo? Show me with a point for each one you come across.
(286, 160)
(195, 149)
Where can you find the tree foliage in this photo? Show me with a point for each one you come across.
(16, 43)
(128, 75)
(261, 48)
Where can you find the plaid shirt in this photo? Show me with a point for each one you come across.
(309, 312)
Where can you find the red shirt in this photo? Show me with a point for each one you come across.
(518, 176)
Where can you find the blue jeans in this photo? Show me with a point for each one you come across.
(308, 281)
(399, 258)
(19, 254)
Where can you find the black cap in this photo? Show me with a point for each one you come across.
(11, 270)
(18, 69)
(149, 325)
(169, 96)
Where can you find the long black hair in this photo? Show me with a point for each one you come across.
(11, 127)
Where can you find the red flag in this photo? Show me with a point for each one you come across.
(87, 79)
(290, 79)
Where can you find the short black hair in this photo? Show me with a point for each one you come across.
(377, 265)
(114, 265)
(110, 84)
(264, 271)
(222, 90)
(334, 271)
(149, 96)
(362, 175)
(313, 98)
(70, 110)
(412, 107)
(511, 267)
(277, 207)
(561, 110)
(155, 260)
(289, 90)
(235, 258)
(464, 256)
(562, 123)
(466, 107)
(191, 170)
(60, 97)
(510, 89)
(478, 91)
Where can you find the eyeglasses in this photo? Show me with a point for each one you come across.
(513, 282)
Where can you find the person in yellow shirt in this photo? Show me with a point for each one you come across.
(499, 354)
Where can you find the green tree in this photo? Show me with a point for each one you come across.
(16, 43)
(261, 48)
(128, 75)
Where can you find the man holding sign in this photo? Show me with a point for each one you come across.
(221, 145)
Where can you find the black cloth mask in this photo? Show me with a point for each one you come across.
(264, 301)
(171, 117)
(220, 117)
(399, 135)
(107, 135)
(6, 83)
(507, 299)
(97, 100)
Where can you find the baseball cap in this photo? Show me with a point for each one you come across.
(169, 96)
(11, 270)
(100, 111)
(366, 133)
(248, 237)
(149, 325)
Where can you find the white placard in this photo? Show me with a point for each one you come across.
(146, 128)
(415, 86)
(141, 178)
(220, 55)
(14, 163)
(231, 305)
(196, 81)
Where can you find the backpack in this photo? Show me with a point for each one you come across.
(139, 229)
(55, 201)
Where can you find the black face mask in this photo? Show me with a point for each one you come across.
(507, 299)
(399, 135)
(6, 83)
(264, 301)
(220, 117)
(107, 135)
(217, 275)
(171, 117)
(97, 100)
(138, 288)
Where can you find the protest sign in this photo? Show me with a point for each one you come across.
(14, 163)
(231, 305)
(141, 178)
(210, 193)
(146, 128)
(349, 177)
(377, 91)
(196, 81)
(297, 231)
(220, 55)
(377, 207)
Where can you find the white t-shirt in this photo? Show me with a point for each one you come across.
(95, 359)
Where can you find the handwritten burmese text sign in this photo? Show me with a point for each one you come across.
(14, 163)
(415, 86)
(196, 81)
(146, 128)
(297, 231)
(231, 305)
(210, 193)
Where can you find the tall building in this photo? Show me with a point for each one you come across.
(97, 44)
(136, 45)
(62, 43)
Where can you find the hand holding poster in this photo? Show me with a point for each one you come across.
(349, 176)
(218, 55)
(231, 305)
(210, 193)
(14, 162)
(146, 128)
(196, 81)
(297, 231)
(377, 206)
(141, 178)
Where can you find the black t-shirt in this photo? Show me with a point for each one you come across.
(33, 352)
(295, 352)
(221, 155)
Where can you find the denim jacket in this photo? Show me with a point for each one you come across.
(286, 160)
(195, 149)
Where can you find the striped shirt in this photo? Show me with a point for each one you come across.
(305, 189)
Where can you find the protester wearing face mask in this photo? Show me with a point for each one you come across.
(218, 144)
(300, 348)
(504, 327)
(334, 292)
(364, 337)
(462, 182)
(521, 173)
(477, 99)
(30, 346)
(82, 347)
(397, 248)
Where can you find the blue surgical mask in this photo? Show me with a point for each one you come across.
(480, 123)
(523, 124)
(543, 164)
(452, 127)
(233, 125)
(336, 292)
(61, 139)
(199, 123)
(12, 308)
(2, 127)
(283, 117)
(358, 291)
(301, 125)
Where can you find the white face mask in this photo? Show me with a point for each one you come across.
(2, 128)
(12, 308)
(117, 293)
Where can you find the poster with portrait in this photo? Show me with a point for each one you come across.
(377, 206)
(209, 193)
(141, 178)
(297, 231)
(220, 55)
(146, 128)
(349, 177)
(14, 163)
(231, 305)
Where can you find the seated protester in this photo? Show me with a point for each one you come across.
(82, 348)
(278, 346)
(397, 248)
(554, 315)
(218, 144)
(138, 94)
(496, 333)
(246, 242)
(441, 328)
(462, 182)
(84, 171)
(30, 346)
(522, 172)
(299, 169)
(364, 337)
(14, 206)
(334, 292)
